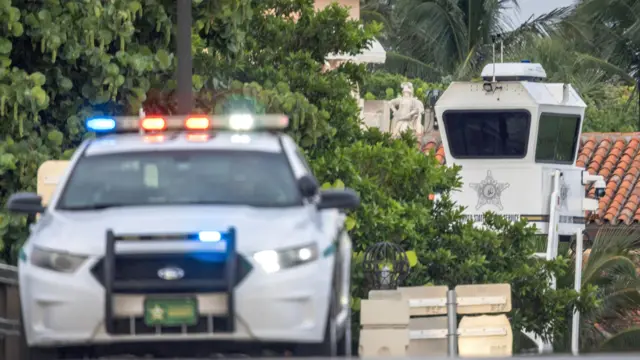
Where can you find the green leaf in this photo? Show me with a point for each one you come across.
(55, 137)
(5, 62)
(38, 79)
(134, 6)
(65, 83)
(349, 223)
(139, 93)
(67, 154)
(17, 29)
(412, 257)
(198, 83)
(163, 58)
(5, 46)
(113, 69)
(355, 304)
(39, 96)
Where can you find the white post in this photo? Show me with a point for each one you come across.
(552, 237)
(575, 328)
(552, 248)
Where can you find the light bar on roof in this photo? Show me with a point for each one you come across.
(159, 123)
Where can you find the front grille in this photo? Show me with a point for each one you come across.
(136, 326)
(144, 267)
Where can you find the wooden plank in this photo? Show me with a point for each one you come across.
(13, 343)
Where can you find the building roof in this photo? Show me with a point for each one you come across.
(615, 156)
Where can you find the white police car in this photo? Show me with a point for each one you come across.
(203, 231)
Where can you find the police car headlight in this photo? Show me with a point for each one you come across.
(275, 260)
(56, 260)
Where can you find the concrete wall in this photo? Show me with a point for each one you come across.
(376, 113)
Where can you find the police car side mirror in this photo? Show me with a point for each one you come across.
(342, 199)
(308, 186)
(25, 203)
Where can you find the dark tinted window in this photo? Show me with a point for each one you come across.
(557, 137)
(487, 134)
(181, 177)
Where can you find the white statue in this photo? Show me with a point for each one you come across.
(406, 111)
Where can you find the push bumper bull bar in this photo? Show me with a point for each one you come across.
(223, 284)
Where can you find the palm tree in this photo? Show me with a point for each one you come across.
(427, 38)
(611, 265)
(596, 44)
(609, 34)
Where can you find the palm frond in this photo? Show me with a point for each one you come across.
(465, 68)
(599, 269)
(624, 341)
(543, 25)
(607, 66)
(411, 67)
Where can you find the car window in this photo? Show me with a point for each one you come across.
(182, 177)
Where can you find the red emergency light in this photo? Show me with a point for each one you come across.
(197, 123)
(153, 123)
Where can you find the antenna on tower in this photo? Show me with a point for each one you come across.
(501, 48)
(493, 45)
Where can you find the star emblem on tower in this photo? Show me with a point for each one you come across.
(489, 191)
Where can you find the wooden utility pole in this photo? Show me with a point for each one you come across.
(185, 58)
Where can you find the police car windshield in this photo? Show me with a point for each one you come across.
(181, 178)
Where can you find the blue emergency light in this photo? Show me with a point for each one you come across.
(101, 124)
(219, 240)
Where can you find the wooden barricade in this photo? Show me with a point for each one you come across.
(10, 329)
(427, 332)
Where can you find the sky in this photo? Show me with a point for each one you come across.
(536, 8)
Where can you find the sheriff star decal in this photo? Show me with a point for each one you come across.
(157, 313)
(489, 191)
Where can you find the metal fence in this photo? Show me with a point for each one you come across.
(10, 331)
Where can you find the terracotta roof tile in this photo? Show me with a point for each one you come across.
(615, 156)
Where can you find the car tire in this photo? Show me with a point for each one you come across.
(34, 353)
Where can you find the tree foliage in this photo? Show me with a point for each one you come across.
(381, 85)
(431, 39)
(62, 61)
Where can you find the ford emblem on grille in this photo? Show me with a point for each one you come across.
(171, 273)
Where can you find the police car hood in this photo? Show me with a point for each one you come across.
(256, 228)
